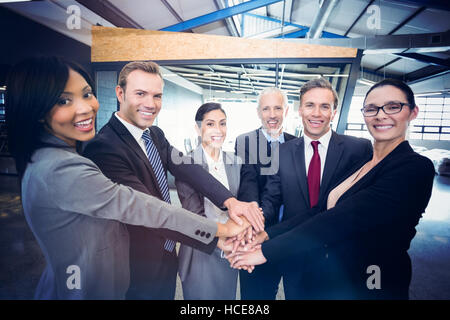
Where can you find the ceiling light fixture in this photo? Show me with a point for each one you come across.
(428, 94)
(365, 82)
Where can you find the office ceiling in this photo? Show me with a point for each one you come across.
(289, 19)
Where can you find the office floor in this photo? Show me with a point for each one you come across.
(21, 261)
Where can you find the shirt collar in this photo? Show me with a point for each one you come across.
(211, 160)
(135, 131)
(324, 140)
(269, 138)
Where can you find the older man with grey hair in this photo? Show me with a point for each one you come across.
(259, 152)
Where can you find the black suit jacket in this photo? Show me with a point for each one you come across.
(372, 224)
(290, 187)
(121, 159)
(255, 151)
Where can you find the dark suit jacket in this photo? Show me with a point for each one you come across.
(373, 223)
(254, 150)
(121, 159)
(290, 187)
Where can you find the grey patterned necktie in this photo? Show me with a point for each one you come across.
(158, 169)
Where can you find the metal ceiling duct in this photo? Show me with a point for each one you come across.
(321, 19)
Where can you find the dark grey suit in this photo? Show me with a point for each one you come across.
(77, 216)
(207, 276)
(290, 188)
(257, 154)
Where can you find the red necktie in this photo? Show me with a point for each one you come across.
(314, 175)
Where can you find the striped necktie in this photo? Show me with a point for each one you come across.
(158, 169)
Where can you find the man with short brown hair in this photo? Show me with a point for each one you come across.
(130, 150)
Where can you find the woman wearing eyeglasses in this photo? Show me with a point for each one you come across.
(360, 242)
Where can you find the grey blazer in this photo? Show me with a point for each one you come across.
(77, 216)
(202, 274)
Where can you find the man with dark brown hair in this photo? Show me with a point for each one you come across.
(130, 150)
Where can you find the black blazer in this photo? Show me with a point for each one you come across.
(373, 223)
(290, 187)
(248, 147)
(121, 159)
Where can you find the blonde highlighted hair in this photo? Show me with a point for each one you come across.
(146, 66)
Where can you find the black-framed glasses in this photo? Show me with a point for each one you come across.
(388, 108)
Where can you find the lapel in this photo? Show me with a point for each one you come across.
(288, 137)
(299, 164)
(402, 150)
(259, 135)
(334, 154)
(199, 157)
(232, 174)
(264, 154)
(129, 140)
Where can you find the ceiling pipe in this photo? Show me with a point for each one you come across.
(231, 26)
(321, 19)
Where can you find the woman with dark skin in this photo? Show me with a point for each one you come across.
(77, 214)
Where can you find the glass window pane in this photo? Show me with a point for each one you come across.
(421, 113)
(431, 136)
(433, 115)
(354, 133)
(434, 108)
(432, 122)
(421, 101)
(431, 129)
(417, 136)
(435, 100)
(354, 127)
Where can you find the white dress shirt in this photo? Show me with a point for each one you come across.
(217, 170)
(271, 139)
(135, 132)
(322, 148)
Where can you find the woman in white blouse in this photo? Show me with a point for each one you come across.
(209, 276)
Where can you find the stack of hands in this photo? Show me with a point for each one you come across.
(244, 235)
